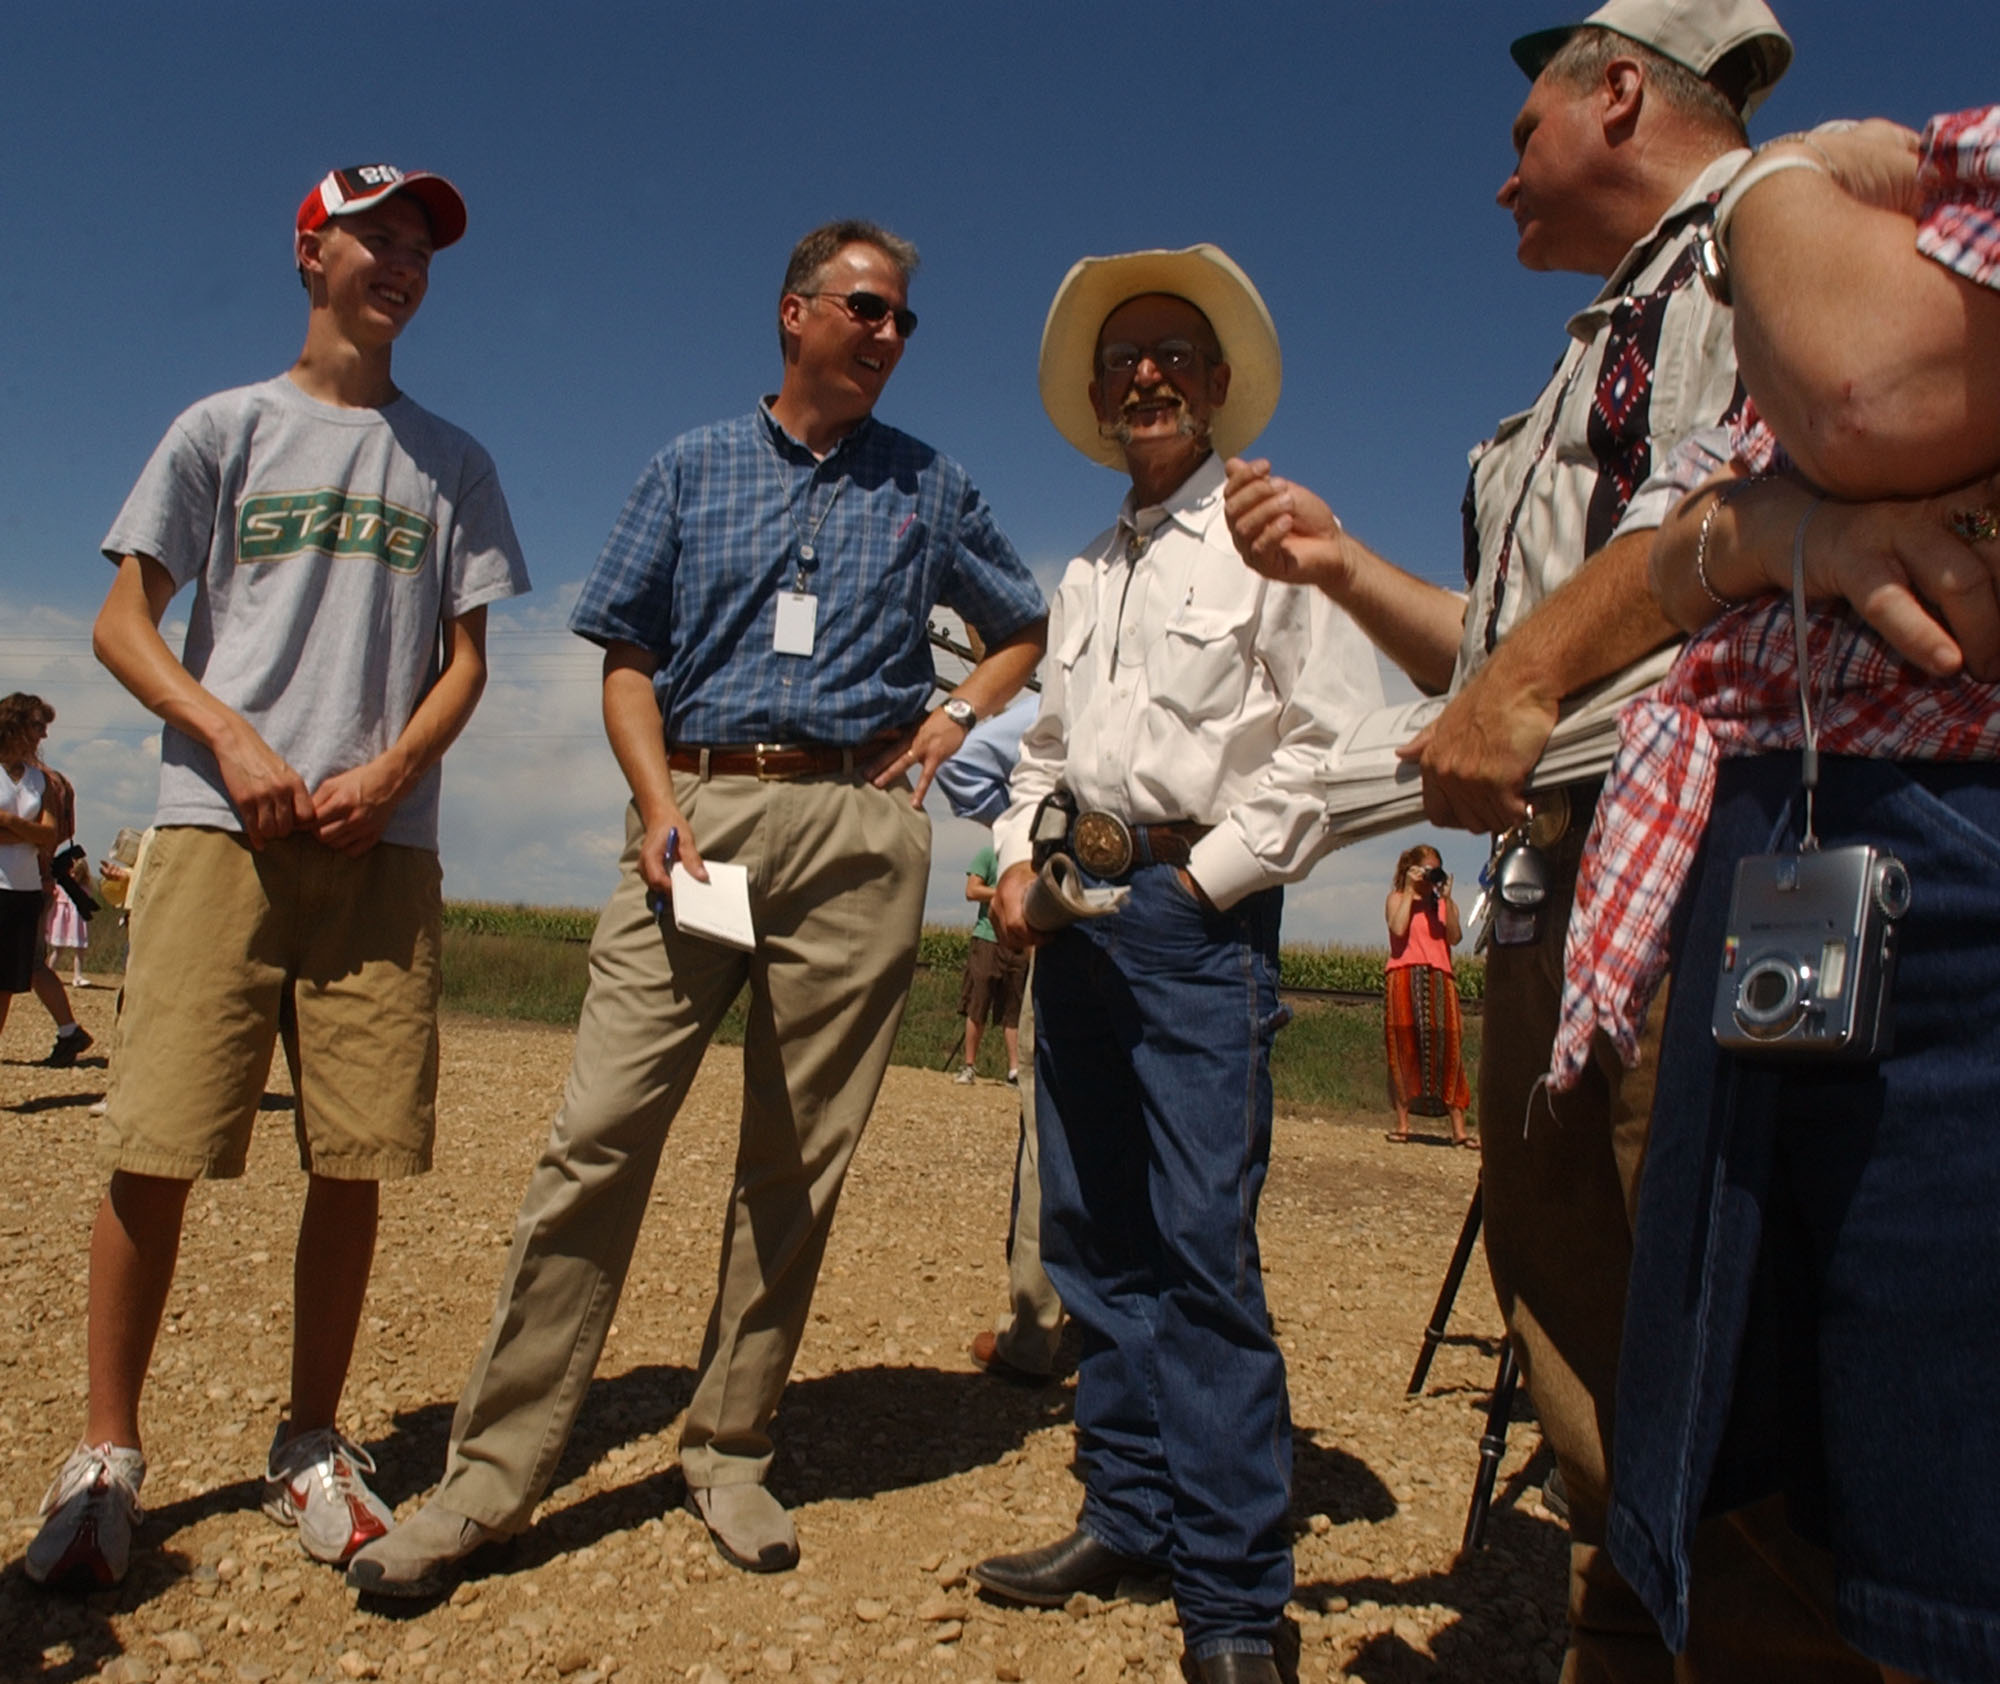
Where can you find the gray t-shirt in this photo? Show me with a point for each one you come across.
(327, 546)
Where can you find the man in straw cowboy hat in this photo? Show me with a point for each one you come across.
(1185, 706)
(1631, 129)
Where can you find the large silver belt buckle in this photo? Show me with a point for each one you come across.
(760, 750)
(1102, 843)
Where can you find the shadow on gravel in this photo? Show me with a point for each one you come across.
(841, 1436)
(59, 1636)
(616, 1410)
(47, 1635)
(1333, 1483)
(1503, 1630)
(864, 1431)
(54, 1102)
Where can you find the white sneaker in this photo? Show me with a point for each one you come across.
(965, 1076)
(90, 1510)
(314, 1482)
(419, 1558)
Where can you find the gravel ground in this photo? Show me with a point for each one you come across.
(902, 1462)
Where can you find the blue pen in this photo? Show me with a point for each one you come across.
(656, 901)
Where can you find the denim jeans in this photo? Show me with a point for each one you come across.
(1815, 1291)
(1154, 1032)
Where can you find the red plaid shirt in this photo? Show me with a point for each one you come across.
(1960, 173)
(1734, 689)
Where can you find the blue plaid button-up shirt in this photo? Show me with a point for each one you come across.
(718, 526)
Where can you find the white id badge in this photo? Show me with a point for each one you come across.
(798, 614)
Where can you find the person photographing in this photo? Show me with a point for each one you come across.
(1420, 1019)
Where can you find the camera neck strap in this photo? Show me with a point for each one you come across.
(1809, 758)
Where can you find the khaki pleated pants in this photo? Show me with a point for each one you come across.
(1031, 1334)
(837, 879)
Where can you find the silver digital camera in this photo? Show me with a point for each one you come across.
(1809, 953)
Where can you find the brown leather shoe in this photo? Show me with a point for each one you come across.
(986, 1357)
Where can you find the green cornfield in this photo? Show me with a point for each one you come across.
(529, 963)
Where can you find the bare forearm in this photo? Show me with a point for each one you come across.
(633, 725)
(1416, 624)
(1598, 623)
(1749, 535)
(1926, 587)
(1402, 902)
(994, 682)
(1877, 367)
(127, 642)
(39, 833)
(443, 713)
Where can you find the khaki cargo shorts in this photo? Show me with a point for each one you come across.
(232, 948)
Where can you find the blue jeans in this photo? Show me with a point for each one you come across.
(1153, 1107)
(1815, 1289)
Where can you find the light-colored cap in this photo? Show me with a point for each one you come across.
(1738, 45)
(1208, 278)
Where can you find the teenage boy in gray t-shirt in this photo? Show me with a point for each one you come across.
(343, 544)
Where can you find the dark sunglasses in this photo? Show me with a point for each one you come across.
(1169, 356)
(871, 307)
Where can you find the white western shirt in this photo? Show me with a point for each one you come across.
(1181, 685)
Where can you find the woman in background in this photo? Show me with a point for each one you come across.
(34, 821)
(1420, 1018)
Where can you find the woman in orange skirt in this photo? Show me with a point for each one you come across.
(1420, 1004)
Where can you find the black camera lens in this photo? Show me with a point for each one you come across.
(1437, 878)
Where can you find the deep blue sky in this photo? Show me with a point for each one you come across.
(636, 175)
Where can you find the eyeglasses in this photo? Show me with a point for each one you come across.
(872, 307)
(1170, 356)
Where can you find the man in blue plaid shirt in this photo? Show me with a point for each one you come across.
(763, 603)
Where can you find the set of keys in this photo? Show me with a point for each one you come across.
(1514, 882)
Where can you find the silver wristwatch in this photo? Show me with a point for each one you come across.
(960, 712)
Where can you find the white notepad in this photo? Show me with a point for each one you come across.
(719, 909)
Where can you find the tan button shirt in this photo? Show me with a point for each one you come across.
(1650, 361)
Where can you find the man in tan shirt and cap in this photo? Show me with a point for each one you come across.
(1631, 129)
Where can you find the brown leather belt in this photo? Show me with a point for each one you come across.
(1171, 844)
(762, 760)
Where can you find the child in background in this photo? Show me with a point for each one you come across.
(70, 907)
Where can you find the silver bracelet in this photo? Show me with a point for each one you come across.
(1722, 496)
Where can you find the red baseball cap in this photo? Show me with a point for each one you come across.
(361, 185)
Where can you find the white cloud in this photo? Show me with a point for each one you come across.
(102, 740)
(534, 803)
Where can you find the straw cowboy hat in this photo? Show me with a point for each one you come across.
(1208, 279)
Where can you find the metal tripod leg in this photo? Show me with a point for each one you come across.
(1448, 1293)
(1492, 1446)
